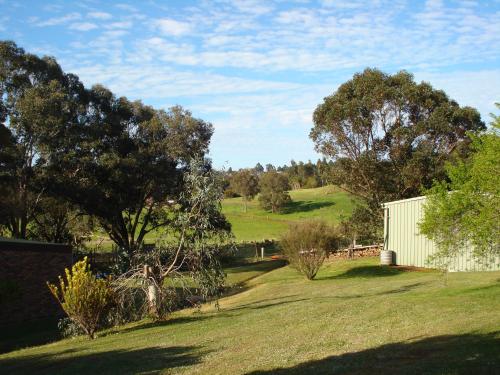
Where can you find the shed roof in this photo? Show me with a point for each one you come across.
(403, 200)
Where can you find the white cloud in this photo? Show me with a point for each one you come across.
(59, 20)
(126, 7)
(83, 26)
(169, 26)
(99, 15)
(119, 25)
(255, 7)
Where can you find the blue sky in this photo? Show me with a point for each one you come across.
(258, 69)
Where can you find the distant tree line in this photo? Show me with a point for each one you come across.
(271, 186)
(300, 175)
(273, 182)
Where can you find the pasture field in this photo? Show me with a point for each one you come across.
(328, 203)
(356, 317)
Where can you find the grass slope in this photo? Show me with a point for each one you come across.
(357, 317)
(328, 203)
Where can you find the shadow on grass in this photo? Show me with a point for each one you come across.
(147, 360)
(151, 324)
(274, 299)
(264, 265)
(453, 354)
(304, 206)
(28, 334)
(401, 289)
(258, 305)
(366, 271)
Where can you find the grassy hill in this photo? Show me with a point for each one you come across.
(328, 203)
(357, 317)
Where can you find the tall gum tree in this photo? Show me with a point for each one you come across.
(390, 135)
(124, 164)
(36, 98)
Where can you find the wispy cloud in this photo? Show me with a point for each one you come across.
(169, 26)
(54, 21)
(99, 15)
(83, 26)
(119, 25)
(258, 68)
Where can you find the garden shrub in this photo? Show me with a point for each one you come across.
(68, 328)
(83, 297)
(306, 245)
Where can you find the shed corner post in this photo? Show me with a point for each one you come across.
(386, 227)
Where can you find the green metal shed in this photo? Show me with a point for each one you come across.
(402, 236)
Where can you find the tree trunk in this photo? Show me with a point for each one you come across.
(152, 293)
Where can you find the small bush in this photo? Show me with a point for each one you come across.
(68, 328)
(83, 297)
(306, 245)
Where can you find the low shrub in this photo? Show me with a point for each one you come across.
(83, 297)
(68, 328)
(306, 245)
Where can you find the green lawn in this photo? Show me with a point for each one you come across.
(357, 317)
(327, 203)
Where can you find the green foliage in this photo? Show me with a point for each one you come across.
(465, 211)
(274, 191)
(83, 297)
(129, 171)
(246, 184)
(68, 328)
(362, 226)
(306, 245)
(390, 136)
(38, 99)
(58, 221)
(306, 175)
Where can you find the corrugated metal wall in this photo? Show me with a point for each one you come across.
(412, 248)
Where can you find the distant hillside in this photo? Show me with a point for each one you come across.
(328, 203)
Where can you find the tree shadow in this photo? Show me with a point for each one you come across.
(401, 289)
(263, 265)
(274, 299)
(147, 360)
(366, 271)
(450, 354)
(153, 324)
(304, 206)
(258, 305)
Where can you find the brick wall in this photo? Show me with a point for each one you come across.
(25, 267)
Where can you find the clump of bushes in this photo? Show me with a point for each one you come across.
(83, 297)
(307, 244)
